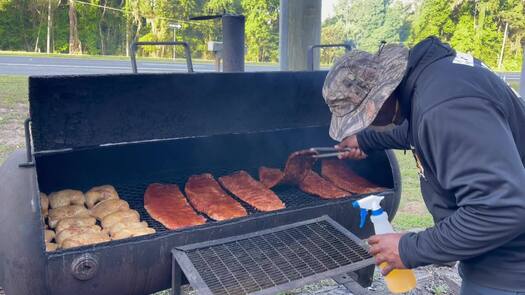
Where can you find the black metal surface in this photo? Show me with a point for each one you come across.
(167, 126)
(186, 46)
(86, 111)
(143, 265)
(22, 256)
(140, 265)
(29, 148)
(272, 260)
(233, 43)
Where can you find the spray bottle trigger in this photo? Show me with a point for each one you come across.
(363, 214)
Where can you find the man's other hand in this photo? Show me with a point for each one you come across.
(385, 248)
(350, 143)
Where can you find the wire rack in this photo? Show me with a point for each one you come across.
(272, 260)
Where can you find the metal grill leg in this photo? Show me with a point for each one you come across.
(176, 277)
(349, 280)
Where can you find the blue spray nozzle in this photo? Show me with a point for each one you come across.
(363, 214)
(368, 203)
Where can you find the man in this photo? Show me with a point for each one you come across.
(466, 128)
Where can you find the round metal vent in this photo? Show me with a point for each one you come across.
(84, 267)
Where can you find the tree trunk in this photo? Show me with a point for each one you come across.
(74, 40)
(49, 26)
(128, 33)
(100, 31)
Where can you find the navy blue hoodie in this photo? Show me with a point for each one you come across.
(467, 128)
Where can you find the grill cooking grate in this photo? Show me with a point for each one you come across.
(272, 260)
(133, 192)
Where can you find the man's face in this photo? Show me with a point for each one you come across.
(389, 115)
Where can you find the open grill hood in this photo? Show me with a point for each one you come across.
(84, 111)
(133, 130)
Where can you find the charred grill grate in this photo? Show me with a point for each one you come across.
(272, 260)
(133, 192)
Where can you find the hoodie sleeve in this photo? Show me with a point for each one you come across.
(397, 138)
(469, 146)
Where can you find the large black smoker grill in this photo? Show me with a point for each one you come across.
(132, 130)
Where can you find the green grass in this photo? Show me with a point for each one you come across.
(13, 111)
(13, 89)
(412, 212)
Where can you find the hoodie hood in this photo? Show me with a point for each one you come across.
(420, 57)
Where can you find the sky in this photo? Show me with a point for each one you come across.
(327, 8)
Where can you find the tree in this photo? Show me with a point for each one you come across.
(433, 18)
(367, 23)
(476, 27)
(74, 40)
(262, 29)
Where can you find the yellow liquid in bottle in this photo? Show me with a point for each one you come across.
(399, 280)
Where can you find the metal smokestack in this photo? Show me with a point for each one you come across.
(233, 43)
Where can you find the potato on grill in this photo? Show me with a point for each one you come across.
(66, 197)
(127, 216)
(49, 235)
(50, 247)
(100, 193)
(75, 222)
(107, 207)
(44, 204)
(55, 215)
(85, 239)
(117, 227)
(133, 232)
(75, 231)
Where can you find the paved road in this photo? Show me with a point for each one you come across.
(30, 66)
(24, 65)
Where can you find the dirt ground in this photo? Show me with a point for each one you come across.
(431, 280)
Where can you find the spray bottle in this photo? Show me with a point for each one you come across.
(398, 280)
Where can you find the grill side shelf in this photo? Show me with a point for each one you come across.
(272, 260)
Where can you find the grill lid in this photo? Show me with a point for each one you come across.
(273, 260)
(84, 111)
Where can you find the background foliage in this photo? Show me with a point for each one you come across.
(108, 26)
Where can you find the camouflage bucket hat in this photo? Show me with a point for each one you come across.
(358, 84)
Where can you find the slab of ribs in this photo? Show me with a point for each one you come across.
(316, 185)
(338, 172)
(207, 196)
(166, 204)
(251, 191)
(296, 169)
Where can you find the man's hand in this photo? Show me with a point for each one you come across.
(385, 248)
(355, 153)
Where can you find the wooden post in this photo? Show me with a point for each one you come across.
(299, 28)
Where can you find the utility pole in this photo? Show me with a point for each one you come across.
(522, 77)
(500, 59)
(49, 26)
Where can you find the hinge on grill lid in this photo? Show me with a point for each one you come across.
(271, 260)
(29, 154)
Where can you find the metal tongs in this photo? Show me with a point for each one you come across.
(328, 152)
